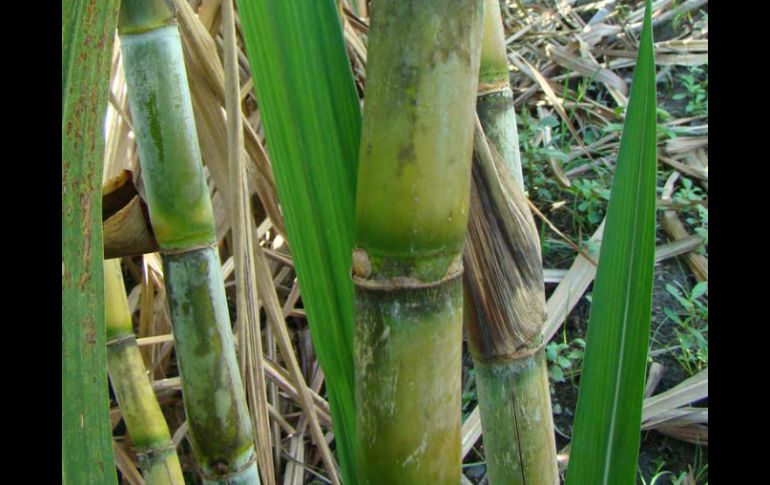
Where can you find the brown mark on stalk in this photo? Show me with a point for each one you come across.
(362, 267)
(452, 28)
(409, 79)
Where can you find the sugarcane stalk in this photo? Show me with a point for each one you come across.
(494, 103)
(505, 306)
(504, 286)
(220, 430)
(144, 420)
(411, 215)
(505, 295)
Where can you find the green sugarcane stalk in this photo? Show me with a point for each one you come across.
(494, 103)
(144, 420)
(504, 284)
(220, 429)
(411, 215)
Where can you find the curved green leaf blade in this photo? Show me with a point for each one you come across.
(607, 421)
(312, 119)
(87, 32)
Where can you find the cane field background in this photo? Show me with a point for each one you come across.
(570, 70)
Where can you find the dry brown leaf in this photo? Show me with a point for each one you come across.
(587, 67)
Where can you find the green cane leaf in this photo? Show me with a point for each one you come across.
(312, 119)
(607, 422)
(87, 32)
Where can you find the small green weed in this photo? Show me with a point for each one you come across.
(695, 82)
(695, 474)
(697, 216)
(535, 157)
(591, 197)
(688, 192)
(692, 322)
(565, 359)
(655, 479)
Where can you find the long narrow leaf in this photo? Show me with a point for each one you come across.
(312, 121)
(607, 422)
(87, 32)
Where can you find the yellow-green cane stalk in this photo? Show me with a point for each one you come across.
(144, 420)
(220, 429)
(504, 285)
(411, 214)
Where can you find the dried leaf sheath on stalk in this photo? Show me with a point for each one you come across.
(505, 296)
(180, 210)
(411, 215)
(505, 312)
(144, 420)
